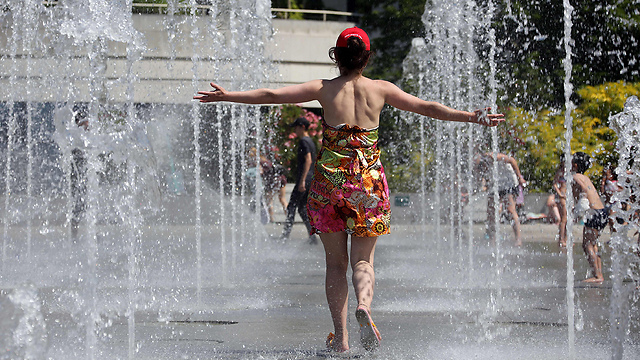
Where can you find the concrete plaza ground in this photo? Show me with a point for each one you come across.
(426, 306)
(434, 299)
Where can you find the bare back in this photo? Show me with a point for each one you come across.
(349, 99)
(352, 100)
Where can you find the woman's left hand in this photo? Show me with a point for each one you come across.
(217, 94)
(483, 117)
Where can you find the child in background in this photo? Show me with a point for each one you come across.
(596, 215)
(560, 189)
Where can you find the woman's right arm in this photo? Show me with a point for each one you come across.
(287, 95)
(397, 98)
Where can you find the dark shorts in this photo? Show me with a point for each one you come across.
(504, 192)
(598, 219)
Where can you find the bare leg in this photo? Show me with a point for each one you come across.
(491, 218)
(562, 225)
(283, 199)
(336, 285)
(590, 247)
(554, 213)
(362, 251)
(511, 207)
(268, 199)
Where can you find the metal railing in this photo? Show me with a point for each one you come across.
(274, 11)
(324, 13)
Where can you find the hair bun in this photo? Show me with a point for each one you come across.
(355, 43)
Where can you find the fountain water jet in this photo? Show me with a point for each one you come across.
(194, 257)
(568, 125)
(625, 247)
(89, 54)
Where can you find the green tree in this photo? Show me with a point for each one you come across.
(286, 4)
(182, 9)
(391, 26)
(530, 34)
(536, 138)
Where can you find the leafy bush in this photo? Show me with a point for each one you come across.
(536, 139)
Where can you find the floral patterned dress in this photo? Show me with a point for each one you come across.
(349, 190)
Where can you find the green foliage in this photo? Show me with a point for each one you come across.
(301, 4)
(598, 103)
(182, 7)
(284, 4)
(536, 138)
(391, 25)
(530, 36)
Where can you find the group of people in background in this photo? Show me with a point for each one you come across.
(274, 182)
(588, 207)
(509, 184)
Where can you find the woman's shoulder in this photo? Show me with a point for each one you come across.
(361, 78)
(382, 83)
(382, 88)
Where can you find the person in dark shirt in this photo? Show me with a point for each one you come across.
(305, 158)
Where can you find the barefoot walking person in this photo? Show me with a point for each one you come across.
(596, 215)
(507, 183)
(560, 189)
(349, 194)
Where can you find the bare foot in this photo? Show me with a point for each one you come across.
(518, 243)
(594, 280)
(336, 345)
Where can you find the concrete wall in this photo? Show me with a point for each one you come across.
(301, 49)
(164, 73)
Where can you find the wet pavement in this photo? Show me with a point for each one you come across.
(433, 299)
(427, 306)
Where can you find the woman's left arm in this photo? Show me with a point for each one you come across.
(398, 98)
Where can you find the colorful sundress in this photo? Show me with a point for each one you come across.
(349, 191)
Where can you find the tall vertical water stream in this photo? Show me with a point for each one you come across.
(448, 67)
(166, 236)
(625, 241)
(144, 167)
(568, 125)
